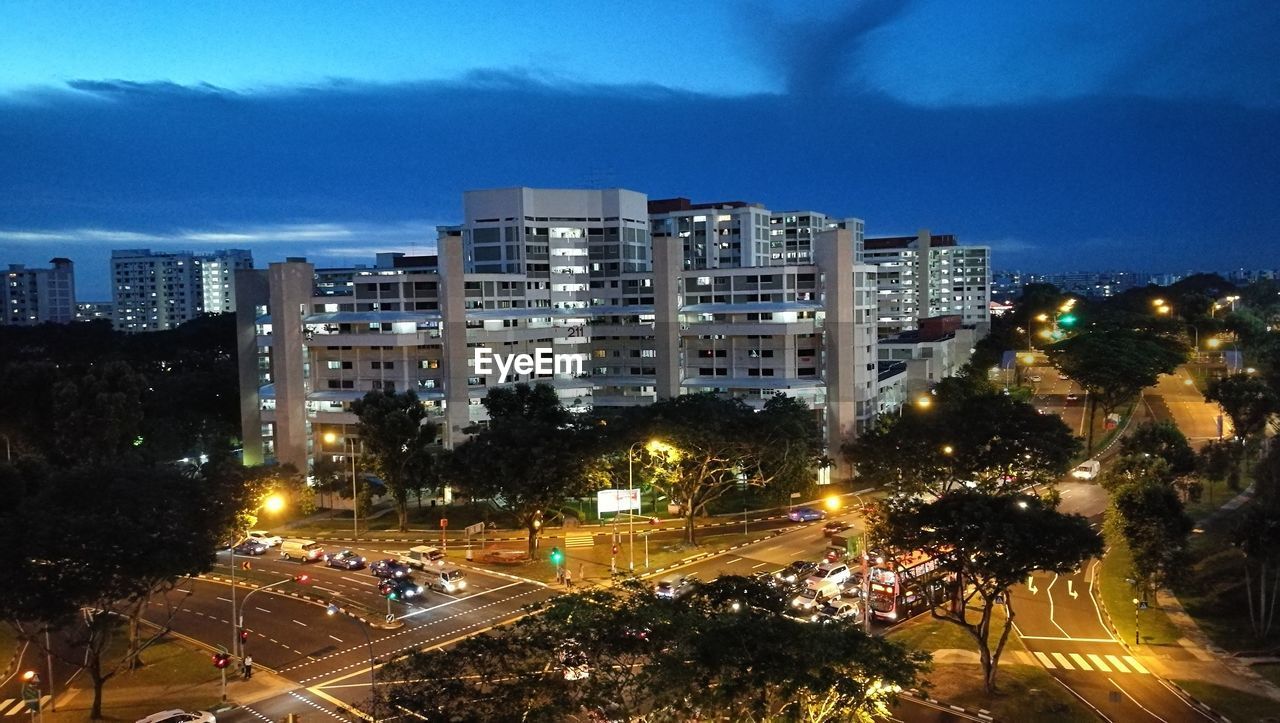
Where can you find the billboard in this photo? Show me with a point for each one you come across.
(617, 501)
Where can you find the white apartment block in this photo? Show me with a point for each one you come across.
(636, 298)
(38, 296)
(924, 276)
(153, 291)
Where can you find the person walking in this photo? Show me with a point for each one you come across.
(248, 667)
(568, 578)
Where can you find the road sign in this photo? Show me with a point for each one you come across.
(795, 495)
(617, 500)
(444, 522)
(475, 529)
(391, 618)
(246, 565)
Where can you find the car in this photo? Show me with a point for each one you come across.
(178, 715)
(828, 573)
(390, 568)
(265, 538)
(301, 550)
(835, 527)
(1072, 397)
(1036, 378)
(674, 587)
(837, 610)
(401, 588)
(836, 553)
(250, 547)
(806, 514)
(812, 598)
(346, 559)
(852, 588)
(423, 557)
(450, 580)
(1087, 470)
(1063, 377)
(796, 571)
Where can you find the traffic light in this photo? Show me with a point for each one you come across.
(557, 556)
(244, 635)
(1066, 320)
(303, 579)
(615, 549)
(221, 660)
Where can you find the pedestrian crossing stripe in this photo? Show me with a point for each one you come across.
(586, 540)
(1099, 663)
(14, 706)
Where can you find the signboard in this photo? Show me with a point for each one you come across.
(475, 529)
(444, 522)
(617, 501)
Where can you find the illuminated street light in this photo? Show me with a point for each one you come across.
(273, 504)
(1157, 302)
(947, 449)
(1042, 317)
(833, 503)
(924, 402)
(1213, 342)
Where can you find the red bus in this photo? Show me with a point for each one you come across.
(905, 586)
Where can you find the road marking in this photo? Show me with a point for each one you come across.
(335, 637)
(17, 707)
(760, 565)
(300, 622)
(358, 582)
(734, 561)
(1135, 701)
(1048, 592)
(255, 607)
(1081, 662)
(1136, 665)
(1062, 659)
(1097, 661)
(1068, 639)
(1115, 663)
(1044, 659)
(469, 597)
(223, 599)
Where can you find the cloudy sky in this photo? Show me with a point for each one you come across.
(1080, 135)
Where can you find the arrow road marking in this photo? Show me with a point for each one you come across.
(1031, 585)
(1071, 590)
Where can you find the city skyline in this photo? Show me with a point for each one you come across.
(1087, 137)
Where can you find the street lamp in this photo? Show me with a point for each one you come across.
(330, 437)
(652, 445)
(273, 503)
(333, 609)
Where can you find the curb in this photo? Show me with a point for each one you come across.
(918, 696)
(1177, 689)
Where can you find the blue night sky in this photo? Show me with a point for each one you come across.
(1080, 135)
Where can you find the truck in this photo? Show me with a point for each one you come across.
(1087, 470)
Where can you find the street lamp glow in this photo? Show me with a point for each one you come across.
(1214, 342)
(330, 437)
(924, 402)
(1029, 359)
(833, 503)
(1157, 302)
(1042, 317)
(947, 449)
(1162, 309)
(274, 503)
(28, 676)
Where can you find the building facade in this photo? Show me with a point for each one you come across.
(154, 291)
(924, 276)
(627, 303)
(39, 296)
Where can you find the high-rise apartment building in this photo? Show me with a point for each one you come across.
(633, 303)
(153, 291)
(924, 276)
(37, 296)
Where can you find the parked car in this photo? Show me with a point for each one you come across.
(838, 610)
(266, 538)
(423, 556)
(828, 573)
(302, 550)
(346, 560)
(806, 514)
(390, 568)
(179, 716)
(1087, 470)
(401, 588)
(250, 547)
(835, 527)
(674, 587)
(796, 571)
(450, 580)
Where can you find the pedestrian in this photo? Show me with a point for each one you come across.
(248, 667)
(568, 579)
(559, 574)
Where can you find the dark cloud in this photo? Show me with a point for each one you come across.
(1146, 183)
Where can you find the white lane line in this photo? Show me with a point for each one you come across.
(300, 622)
(469, 597)
(1048, 592)
(1098, 662)
(1115, 663)
(358, 582)
(223, 599)
(255, 607)
(734, 561)
(335, 637)
(1136, 665)
(1080, 661)
(1062, 660)
(16, 707)
(1044, 660)
(1068, 639)
(760, 565)
(1135, 702)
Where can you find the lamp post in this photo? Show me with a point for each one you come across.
(8, 451)
(631, 523)
(330, 437)
(333, 609)
(273, 503)
(239, 622)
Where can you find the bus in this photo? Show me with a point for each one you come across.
(904, 586)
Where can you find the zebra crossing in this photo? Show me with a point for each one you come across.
(1091, 662)
(585, 539)
(14, 706)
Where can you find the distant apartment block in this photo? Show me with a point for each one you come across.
(153, 291)
(38, 296)
(924, 276)
(94, 310)
(652, 299)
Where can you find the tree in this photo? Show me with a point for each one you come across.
(100, 414)
(1149, 516)
(1256, 532)
(1248, 401)
(1114, 365)
(988, 543)
(968, 436)
(709, 445)
(398, 439)
(530, 458)
(623, 654)
(1163, 440)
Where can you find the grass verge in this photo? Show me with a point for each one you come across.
(1118, 594)
(1214, 592)
(1239, 706)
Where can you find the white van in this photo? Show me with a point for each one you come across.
(1087, 470)
(301, 550)
(423, 557)
(449, 581)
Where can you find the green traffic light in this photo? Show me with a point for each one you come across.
(1066, 319)
(556, 555)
